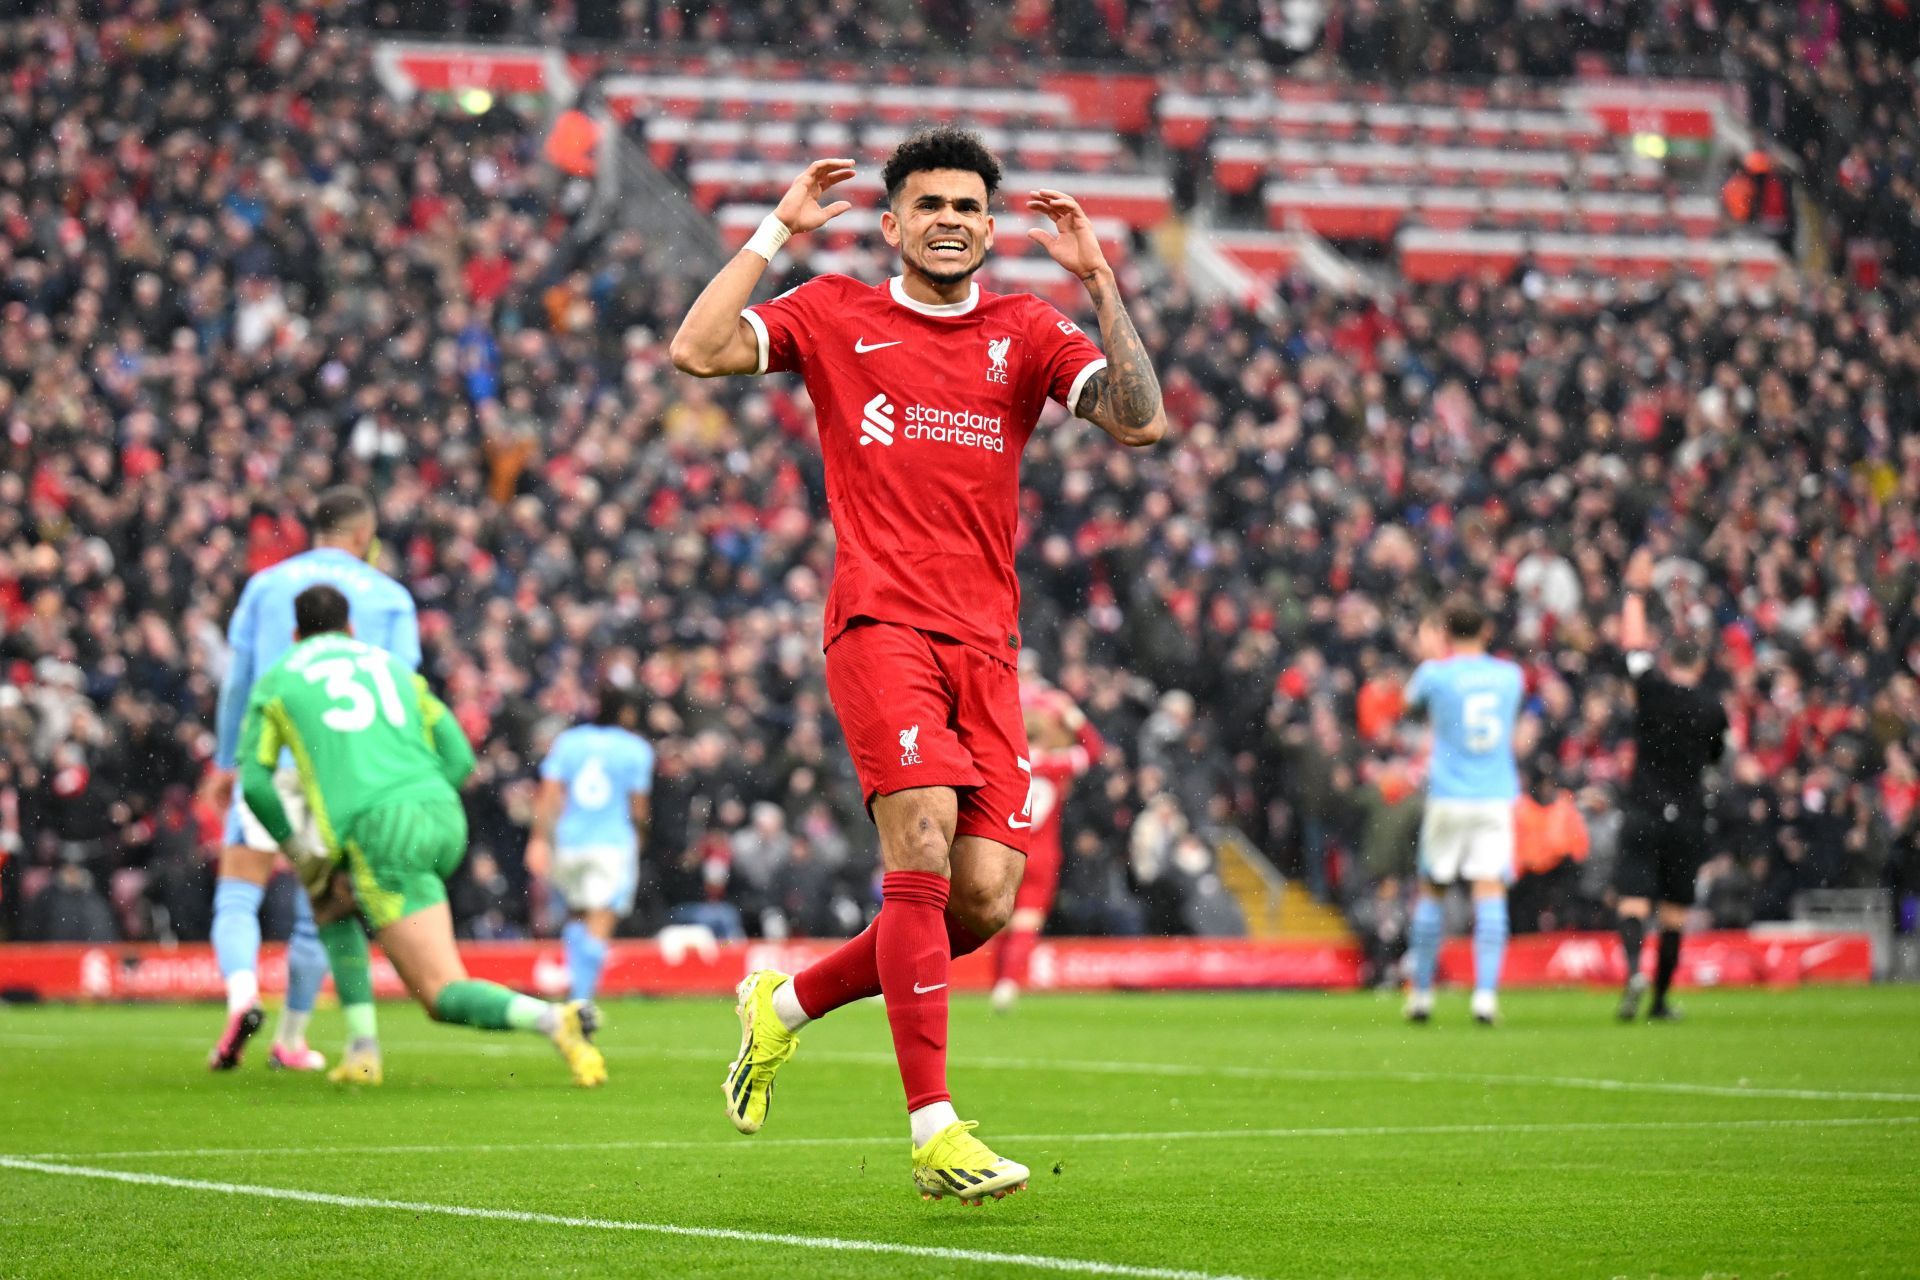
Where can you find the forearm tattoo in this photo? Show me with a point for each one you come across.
(1125, 394)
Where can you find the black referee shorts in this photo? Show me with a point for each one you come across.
(1660, 853)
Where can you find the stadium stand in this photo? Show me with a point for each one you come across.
(1473, 186)
(247, 255)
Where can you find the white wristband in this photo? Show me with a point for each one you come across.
(771, 234)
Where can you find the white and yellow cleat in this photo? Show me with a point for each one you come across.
(765, 1046)
(955, 1163)
(572, 1035)
(360, 1064)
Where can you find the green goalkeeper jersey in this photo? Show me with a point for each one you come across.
(363, 732)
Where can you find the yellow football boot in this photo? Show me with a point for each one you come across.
(360, 1064)
(765, 1046)
(572, 1035)
(955, 1163)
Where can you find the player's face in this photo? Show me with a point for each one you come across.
(940, 224)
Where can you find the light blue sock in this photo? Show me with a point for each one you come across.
(236, 925)
(586, 956)
(1489, 942)
(306, 958)
(1423, 940)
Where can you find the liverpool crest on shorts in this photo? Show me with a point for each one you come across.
(910, 745)
(997, 359)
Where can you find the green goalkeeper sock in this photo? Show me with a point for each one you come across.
(361, 1024)
(346, 944)
(490, 1006)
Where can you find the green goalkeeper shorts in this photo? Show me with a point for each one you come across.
(400, 855)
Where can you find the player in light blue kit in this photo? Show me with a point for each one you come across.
(588, 824)
(1472, 702)
(383, 615)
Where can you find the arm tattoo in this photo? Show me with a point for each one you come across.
(1125, 394)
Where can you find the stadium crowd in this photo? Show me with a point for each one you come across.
(1832, 83)
(232, 273)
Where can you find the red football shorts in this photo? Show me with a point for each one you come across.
(921, 710)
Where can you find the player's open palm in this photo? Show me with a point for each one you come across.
(1071, 243)
(801, 209)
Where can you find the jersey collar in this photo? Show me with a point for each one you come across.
(898, 288)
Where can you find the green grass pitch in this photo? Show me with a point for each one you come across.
(1771, 1134)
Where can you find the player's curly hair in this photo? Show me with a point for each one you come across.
(942, 148)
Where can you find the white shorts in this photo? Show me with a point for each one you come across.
(244, 829)
(1467, 840)
(597, 877)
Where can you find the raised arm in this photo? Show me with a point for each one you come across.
(1123, 399)
(714, 340)
(1635, 637)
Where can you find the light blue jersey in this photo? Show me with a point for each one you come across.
(381, 611)
(604, 766)
(1472, 702)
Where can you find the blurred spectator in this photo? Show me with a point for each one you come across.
(481, 899)
(761, 855)
(69, 909)
(1549, 842)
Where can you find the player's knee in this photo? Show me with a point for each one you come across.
(919, 844)
(916, 829)
(983, 909)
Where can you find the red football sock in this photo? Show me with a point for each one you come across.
(850, 972)
(1016, 955)
(910, 945)
(847, 973)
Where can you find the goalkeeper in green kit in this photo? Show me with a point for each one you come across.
(380, 760)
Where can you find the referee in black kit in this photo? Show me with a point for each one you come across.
(1679, 730)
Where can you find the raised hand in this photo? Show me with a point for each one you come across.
(801, 209)
(1071, 243)
(1639, 573)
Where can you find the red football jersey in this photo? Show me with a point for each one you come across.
(1054, 773)
(923, 413)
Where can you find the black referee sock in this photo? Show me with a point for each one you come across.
(1633, 932)
(1669, 961)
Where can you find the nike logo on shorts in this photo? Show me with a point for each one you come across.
(1016, 824)
(861, 346)
(920, 990)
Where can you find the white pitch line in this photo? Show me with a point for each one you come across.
(832, 1244)
(894, 1140)
(454, 1047)
(1600, 1084)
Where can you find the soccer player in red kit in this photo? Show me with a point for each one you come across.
(926, 388)
(1064, 746)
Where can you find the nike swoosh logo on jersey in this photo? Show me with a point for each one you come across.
(1016, 824)
(861, 347)
(920, 990)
